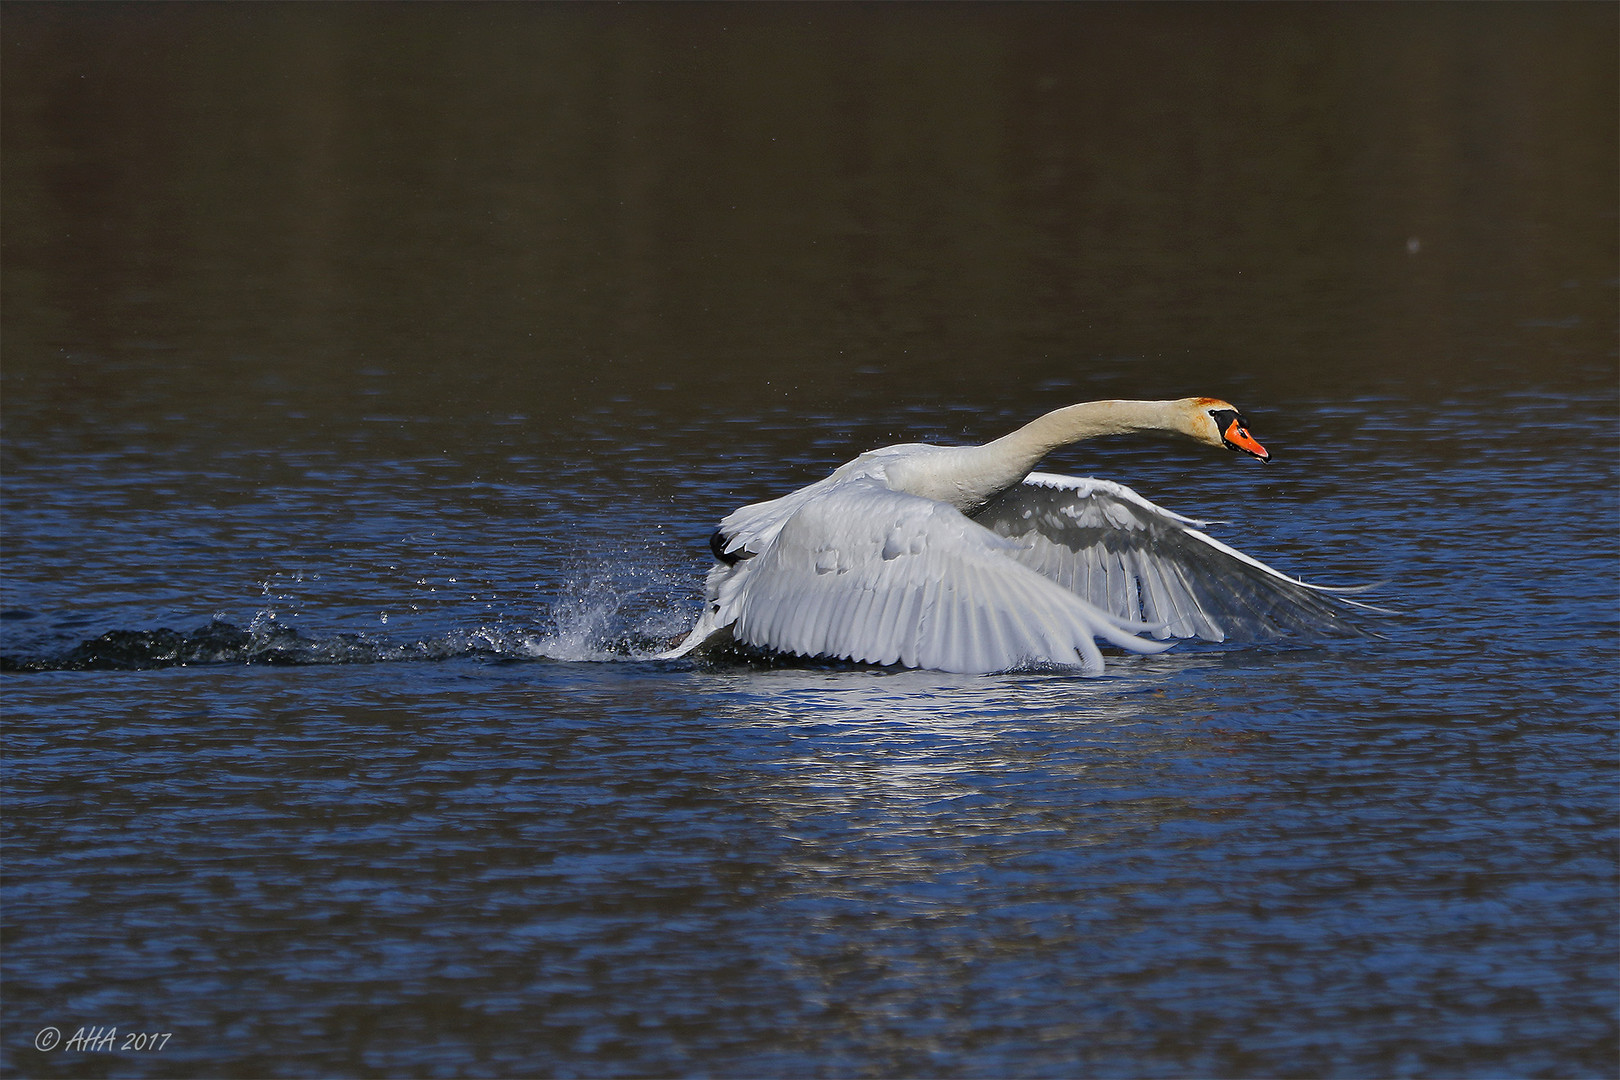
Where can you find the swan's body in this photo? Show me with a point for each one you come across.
(961, 558)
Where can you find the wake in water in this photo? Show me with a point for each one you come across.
(226, 643)
(602, 615)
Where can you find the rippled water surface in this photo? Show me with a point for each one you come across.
(372, 380)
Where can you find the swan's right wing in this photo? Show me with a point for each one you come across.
(866, 573)
(1137, 560)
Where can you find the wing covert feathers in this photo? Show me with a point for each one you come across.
(869, 574)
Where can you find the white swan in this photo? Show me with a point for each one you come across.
(960, 558)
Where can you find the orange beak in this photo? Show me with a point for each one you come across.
(1238, 438)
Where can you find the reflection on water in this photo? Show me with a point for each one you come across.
(551, 216)
(373, 378)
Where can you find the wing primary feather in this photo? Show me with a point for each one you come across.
(1109, 545)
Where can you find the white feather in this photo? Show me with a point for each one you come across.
(959, 558)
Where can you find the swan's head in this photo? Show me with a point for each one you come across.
(1216, 423)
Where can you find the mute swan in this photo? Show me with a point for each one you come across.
(961, 558)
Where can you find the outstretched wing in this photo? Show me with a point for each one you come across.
(1137, 561)
(870, 574)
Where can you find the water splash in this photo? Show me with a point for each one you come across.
(619, 612)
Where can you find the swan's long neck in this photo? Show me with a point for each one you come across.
(969, 476)
(1041, 436)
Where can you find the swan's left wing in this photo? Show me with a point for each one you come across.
(1138, 561)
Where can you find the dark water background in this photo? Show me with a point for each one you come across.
(390, 365)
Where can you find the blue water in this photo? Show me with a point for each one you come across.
(431, 847)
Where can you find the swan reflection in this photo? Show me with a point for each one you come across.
(904, 752)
